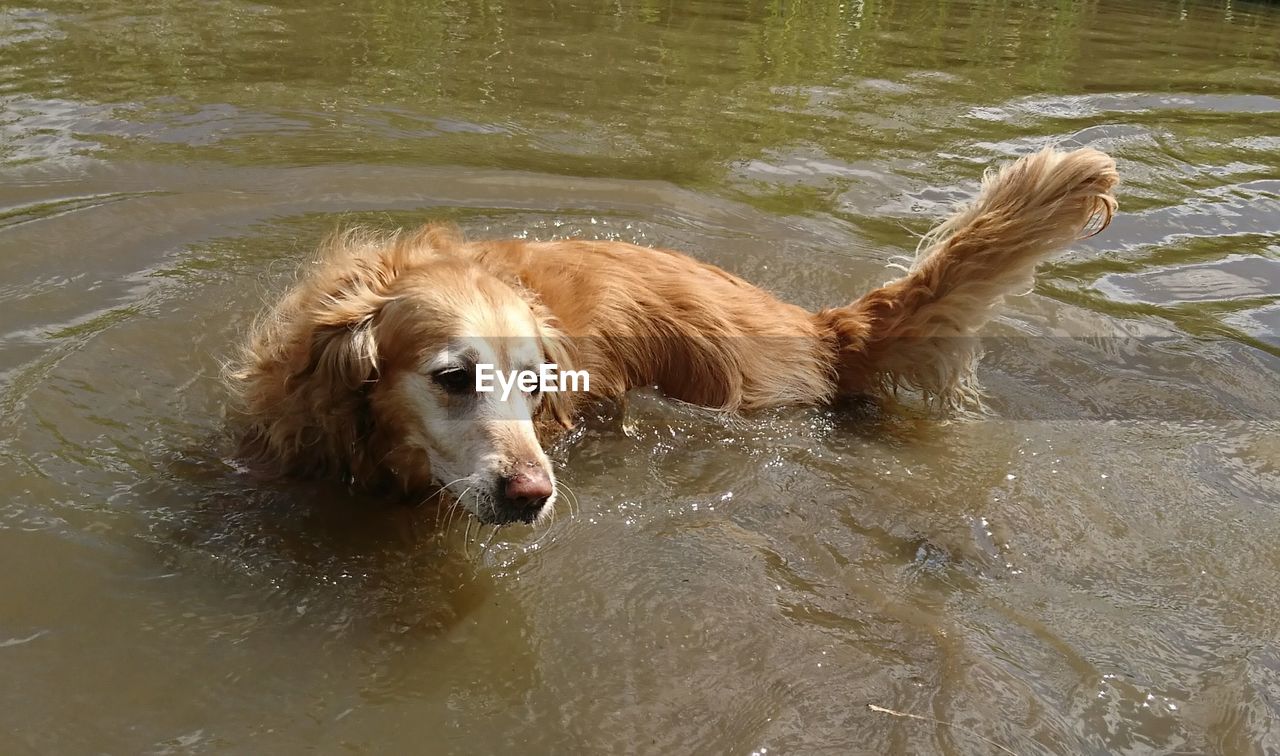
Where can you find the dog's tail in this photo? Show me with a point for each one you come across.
(918, 331)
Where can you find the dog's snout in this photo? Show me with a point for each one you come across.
(528, 489)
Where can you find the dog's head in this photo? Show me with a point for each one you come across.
(451, 331)
(379, 359)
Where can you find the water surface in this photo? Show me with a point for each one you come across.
(1091, 568)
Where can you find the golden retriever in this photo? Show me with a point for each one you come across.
(366, 370)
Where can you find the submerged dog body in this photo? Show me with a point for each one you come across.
(365, 370)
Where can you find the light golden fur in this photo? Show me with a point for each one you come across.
(333, 380)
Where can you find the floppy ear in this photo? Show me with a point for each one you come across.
(303, 377)
(335, 345)
(338, 356)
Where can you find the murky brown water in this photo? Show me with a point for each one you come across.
(1092, 569)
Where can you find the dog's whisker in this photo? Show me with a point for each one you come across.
(551, 520)
(446, 515)
(537, 542)
(566, 496)
(466, 532)
(466, 538)
(484, 548)
(550, 524)
(453, 509)
(443, 510)
(445, 487)
(575, 508)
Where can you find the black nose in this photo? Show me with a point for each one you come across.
(527, 491)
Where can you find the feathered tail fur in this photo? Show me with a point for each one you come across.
(918, 332)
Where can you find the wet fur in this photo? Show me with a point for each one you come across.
(311, 382)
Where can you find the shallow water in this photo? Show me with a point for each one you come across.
(1090, 569)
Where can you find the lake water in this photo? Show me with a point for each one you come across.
(1093, 567)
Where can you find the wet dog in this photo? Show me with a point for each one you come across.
(366, 370)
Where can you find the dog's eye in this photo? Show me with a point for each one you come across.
(455, 380)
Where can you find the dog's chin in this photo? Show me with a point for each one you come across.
(505, 517)
(499, 513)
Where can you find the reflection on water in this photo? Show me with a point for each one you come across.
(1088, 568)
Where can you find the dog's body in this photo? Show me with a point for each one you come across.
(365, 370)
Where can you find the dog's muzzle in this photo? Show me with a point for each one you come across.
(521, 497)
